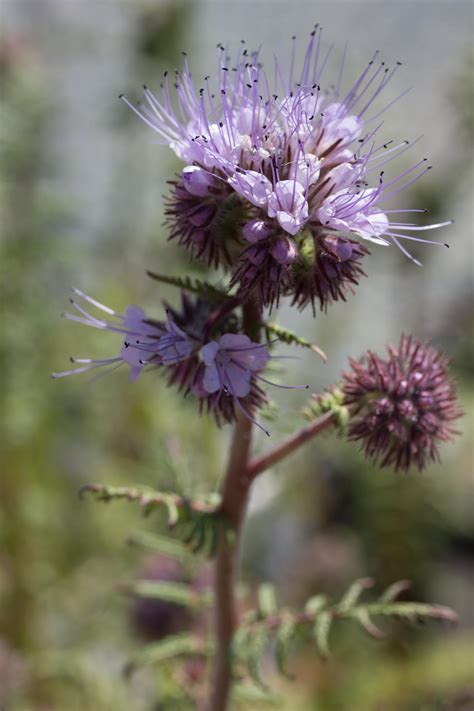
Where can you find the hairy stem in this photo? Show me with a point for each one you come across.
(235, 493)
(258, 465)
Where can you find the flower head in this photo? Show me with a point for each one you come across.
(401, 407)
(304, 162)
(197, 347)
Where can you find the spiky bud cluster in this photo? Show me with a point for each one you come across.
(402, 407)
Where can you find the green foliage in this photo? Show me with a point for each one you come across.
(193, 285)
(199, 520)
(172, 647)
(177, 593)
(270, 627)
(330, 401)
(287, 336)
(164, 545)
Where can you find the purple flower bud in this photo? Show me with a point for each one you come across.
(197, 181)
(341, 248)
(256, 230)
(403, 406)
(284, 251)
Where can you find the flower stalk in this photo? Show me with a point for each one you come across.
(290, 445)
(235, 494)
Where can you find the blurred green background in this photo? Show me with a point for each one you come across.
(81, 185)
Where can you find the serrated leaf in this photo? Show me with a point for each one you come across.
(354, 592)
(321, 629)
(178, 593)
(195, 286)
(287, 336)
(184, 644)
(315, 604)
(408, 610)
(283, 641)
(267, 602)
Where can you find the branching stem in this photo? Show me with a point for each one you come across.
(235, 492)
(260, 464)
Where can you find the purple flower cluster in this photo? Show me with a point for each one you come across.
(221, 369)
(288, 166)
(403, 406)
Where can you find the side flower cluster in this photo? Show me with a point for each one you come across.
(282, 179)
(402, 407)
(222, 369)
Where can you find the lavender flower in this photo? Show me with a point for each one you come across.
(298, 160)
(230, 367)
(401, 407)
(145, 342)
(223, 374)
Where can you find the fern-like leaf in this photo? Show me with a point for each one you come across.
(284, 626)
(165, 545)
(354, 592)
(287, 336)
(199, 520)
(284, 637)
(193, 285)
(177, 593)
(180, 645)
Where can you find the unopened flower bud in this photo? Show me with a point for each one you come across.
(256, 230)
(197, 181)
(284, 251)
(403, 406)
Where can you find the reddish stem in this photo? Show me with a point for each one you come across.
(259, 464)
(235, 493)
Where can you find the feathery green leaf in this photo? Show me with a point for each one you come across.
(195, 286)
(287, 336)
(180, 645)
(284, 638)
(165, 545)
(178, 593)
(354, 592)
